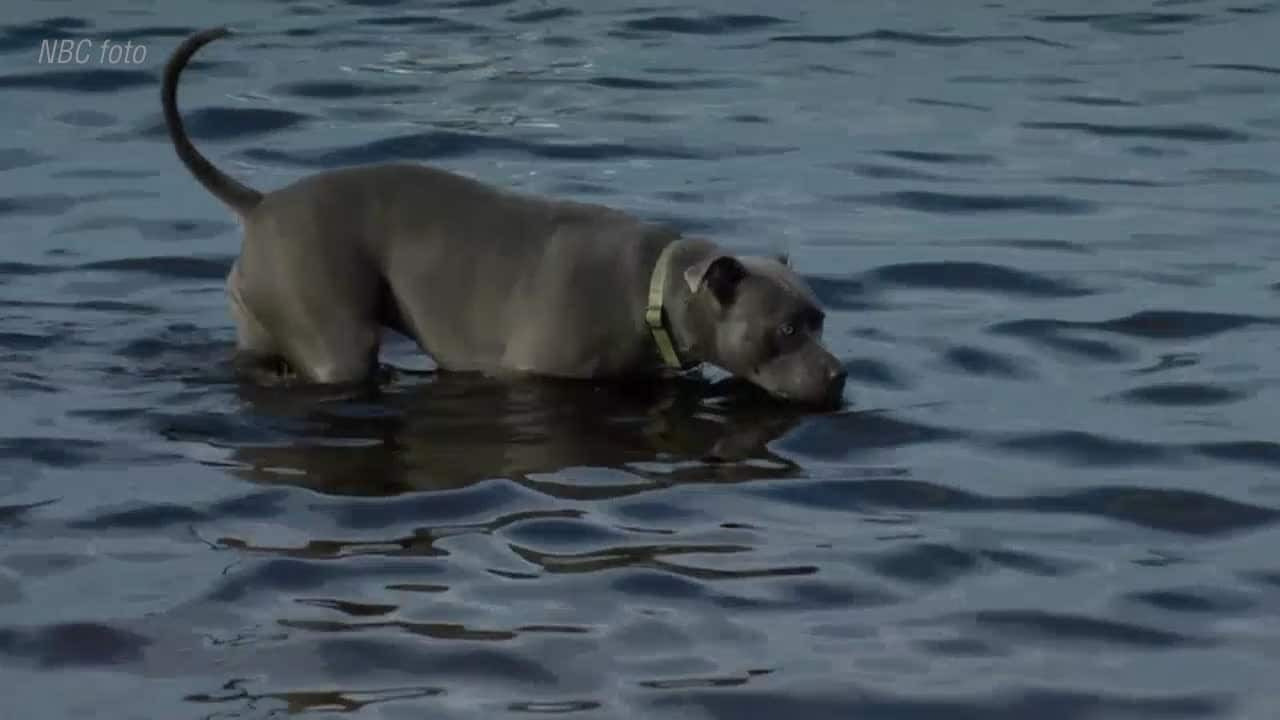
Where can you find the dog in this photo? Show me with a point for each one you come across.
(491, 281)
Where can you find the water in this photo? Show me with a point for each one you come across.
(1047, 234)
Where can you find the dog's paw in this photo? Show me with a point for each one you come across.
(266, 371)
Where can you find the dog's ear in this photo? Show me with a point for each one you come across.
(719, 273)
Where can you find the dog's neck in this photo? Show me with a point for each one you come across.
(655, 314)
(687, 320)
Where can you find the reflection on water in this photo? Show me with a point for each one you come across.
(574, 440)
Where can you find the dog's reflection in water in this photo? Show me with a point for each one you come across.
(452, 430)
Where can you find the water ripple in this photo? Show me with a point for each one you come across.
(319, 89)
(37, 205)
(12, 515)
(95, 80)
(543, 15)
(480, 500)
(1147, 324)
(442, 144)
(876, 372)
(72, 645)
(12, 158)
(936, 157)
(1180, 511)
(985, 277)
(54, 451)
(959, 203)
(1241, 67)
(1193, 600)
(842, 293)
(977, 361)
(1065, 628)
(859, 702)
(911, 38)
(1128, 23)
(350, 701)
(1088, 449)
(1256, 452)
(368, 657)
(148, 229)
(170, 267)
(926, 563)
(220, 123)
(702, 25)
(1195, 132)
(1182, 394)
(628, 83)
(424, 23)
(1095, 101)
(1164, 324)
(28, 36)
(847, 434)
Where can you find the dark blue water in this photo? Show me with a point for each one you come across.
(1049, 237)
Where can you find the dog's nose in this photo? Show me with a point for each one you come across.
(836, 377)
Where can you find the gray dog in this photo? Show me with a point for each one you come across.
(496, 282)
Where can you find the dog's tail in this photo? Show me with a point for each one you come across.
(238, 196)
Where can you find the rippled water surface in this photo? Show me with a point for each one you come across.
(1048, 236)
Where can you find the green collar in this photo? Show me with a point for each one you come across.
(655, 317)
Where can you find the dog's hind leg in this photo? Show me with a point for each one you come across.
(251, 337)
(334, 339)
(322, 321)
(256, 355)
(344, 351)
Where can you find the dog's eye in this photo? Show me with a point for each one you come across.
(787, 330)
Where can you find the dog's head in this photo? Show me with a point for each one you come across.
(756, 318)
